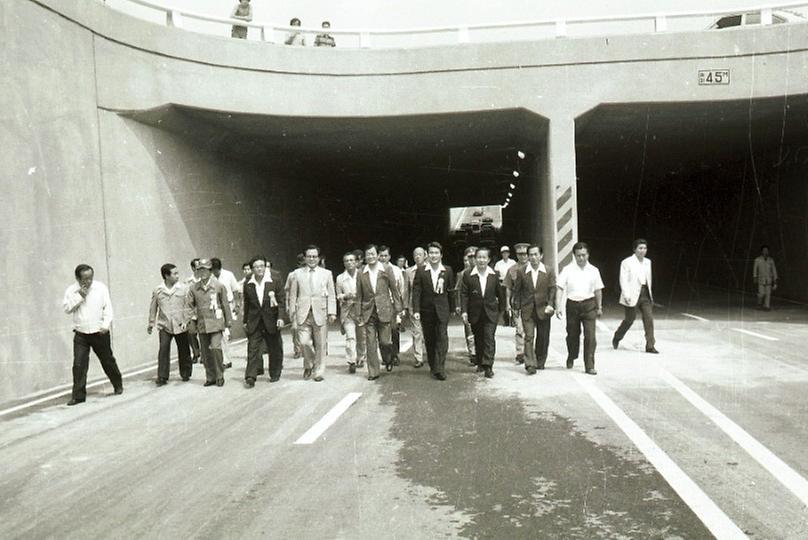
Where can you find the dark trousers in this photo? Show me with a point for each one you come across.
(538, 329)
(485, 345)
(255, 349)
(395, 335)
(584, 314)
(193, 339)
(646, 308)
(436, 339)
(101, 346)
(210, 345)
(164, 355)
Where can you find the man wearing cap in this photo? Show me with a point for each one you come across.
(468, 265)
(510, 281)
(580, 284)
(208, 303)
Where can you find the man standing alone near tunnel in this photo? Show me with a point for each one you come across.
(89, 303)
(581, 285)
(312, 305)
(635, 294)
(432, 300)
(765, 275)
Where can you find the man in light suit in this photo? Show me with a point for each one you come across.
(635, 294)
(402, 284)
(432, 303)
(264, 314)
(419, 256)
(479, 308)
(349, 308)
(380, 300)
(312, 305)
(533, 299)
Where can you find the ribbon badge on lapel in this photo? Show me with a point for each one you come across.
(439, 286)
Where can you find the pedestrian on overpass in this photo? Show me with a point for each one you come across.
(516, 322)
(432, 303)
(764, 274)
(208, 303)
(312, 306)
(582, 288)
(534, 294)
(636, 294)
(263, 319)
(88, 302)
(479, 307)
(169, 312)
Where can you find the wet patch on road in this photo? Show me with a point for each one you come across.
(519, 474)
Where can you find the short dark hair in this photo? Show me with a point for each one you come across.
(166, 269)
(248, 263)
(531, 246)
(310, 247)
(80, 269)
(764, 246)
(580, 245)
(326, 23)
(348, 254)
(371, 246)
(257, 258)
(639, 242)
(384, 248)
(216, 263)
(301, 258)
(194, 262)
(293, 21)
(486, 249)
(358, 253)
(402, 256)
(435, 245)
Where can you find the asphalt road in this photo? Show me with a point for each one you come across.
(556, 455)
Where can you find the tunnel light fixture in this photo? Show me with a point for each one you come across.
(513, 186)
(516, 174)
(520, 154)
(510, 194)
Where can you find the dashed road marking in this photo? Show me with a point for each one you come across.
(702, 319)
(754, 334)
(719, 524)
(787, 476)
(330, 417)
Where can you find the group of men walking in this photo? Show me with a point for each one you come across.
(376, 299)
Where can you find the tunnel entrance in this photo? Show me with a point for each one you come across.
(706, 183)
(390, 180)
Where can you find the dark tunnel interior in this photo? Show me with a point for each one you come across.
(705, 183)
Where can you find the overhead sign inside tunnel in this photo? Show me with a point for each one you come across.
(709, 77)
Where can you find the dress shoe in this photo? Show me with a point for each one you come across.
(396, 361)
(249, 383)
(306, 374)
(74, 401)
(388, 366)
(228, 365)
(161, 382)
(489, 373)
(520, 358)
(418, 364)
(318, 379)
(439, 376)
(591, 371)
(219, 382)
(351, 368)
(651, 350)
(615, 342)
(531, 370)
(540, 367)
(186, 379)
(276, 378)
(209, 383)
(570, 362)
(373, 378)
(118, 391)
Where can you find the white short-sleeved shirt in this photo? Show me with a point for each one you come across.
(578, 283)
(502, 267)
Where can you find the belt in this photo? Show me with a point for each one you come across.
(580, 301)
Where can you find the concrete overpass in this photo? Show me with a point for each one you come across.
(129, 144)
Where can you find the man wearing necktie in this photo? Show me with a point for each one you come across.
(432, 301)
(312, 305)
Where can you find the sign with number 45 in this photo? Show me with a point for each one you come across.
(713, 76)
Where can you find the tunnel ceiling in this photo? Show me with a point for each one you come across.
(684, 135)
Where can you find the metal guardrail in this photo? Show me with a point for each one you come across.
(175, 17)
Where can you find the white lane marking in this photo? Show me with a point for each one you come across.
(705, 509)
(603, 327)
(330, 417)
(787, 476)
(754, 334)
(702, 319)
(66, 389)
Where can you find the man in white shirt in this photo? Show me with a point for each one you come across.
(635, 294)
(510, 281)
(402, 283)
(89, 303)
(580, 284)
(349, 307)
(228, 279)
(764, 273)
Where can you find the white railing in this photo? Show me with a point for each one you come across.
(540, 28)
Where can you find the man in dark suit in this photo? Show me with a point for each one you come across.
(264, 316)
(380, 301)
(432, 301)
(479, 306)
(533, 300)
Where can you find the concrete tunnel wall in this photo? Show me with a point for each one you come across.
(86, 184)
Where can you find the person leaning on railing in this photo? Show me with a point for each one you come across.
(242, 11)
(325, 40)
(295, 38)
